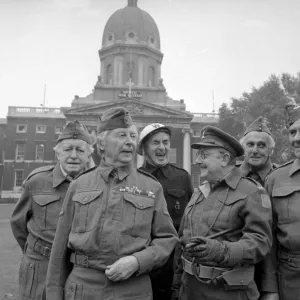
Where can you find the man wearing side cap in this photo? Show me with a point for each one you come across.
(283, 185)
(154, 145)
(114, 227)
(258, 144)
(35, 215)
(225, 229)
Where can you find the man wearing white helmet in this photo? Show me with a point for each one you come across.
(154, 145)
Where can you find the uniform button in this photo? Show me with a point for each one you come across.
(85, 199)
(30, 266)
(72, 289)
(61, 213)
(289, 260)
(242, 281)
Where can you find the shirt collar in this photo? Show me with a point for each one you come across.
(295, 167)
(262, 173)
(59, 176)
(106, 169)
(151, 169)
(232, 178)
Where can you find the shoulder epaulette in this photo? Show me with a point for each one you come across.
(87, 171)
(253, 180)
(146, 173)
(39, 170)
(285, 164)
(178, 168)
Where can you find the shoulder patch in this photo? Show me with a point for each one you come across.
(39, 170)
(146, 173)
(86, 171)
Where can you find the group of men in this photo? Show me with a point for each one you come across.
(114, 232)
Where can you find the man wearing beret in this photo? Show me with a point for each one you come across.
(154, 145)
(258, 144)
(35, 216)
(114, 227)
(225, 229)
(283, 185)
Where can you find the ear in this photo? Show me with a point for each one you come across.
(226, 159)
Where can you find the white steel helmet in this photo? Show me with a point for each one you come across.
(148, 131)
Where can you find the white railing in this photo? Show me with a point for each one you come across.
(36, 110)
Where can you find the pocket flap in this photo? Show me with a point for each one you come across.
(231, 198)
(284, 191)
(44, 199)
(239, 277)
(177, 193)
(86, 196)
(139, 201)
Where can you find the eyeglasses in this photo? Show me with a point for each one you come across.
(203, 154)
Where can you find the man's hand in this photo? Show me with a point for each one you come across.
(122, 269)
(206, 249)
(269, 296)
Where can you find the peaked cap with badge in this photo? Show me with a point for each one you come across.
(113, 118)
(214, 137)
(260, 125)
(75, 130)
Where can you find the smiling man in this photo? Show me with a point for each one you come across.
(35, 216)
(225, 229)
(154, 145)
(283, 185)
(114, 227)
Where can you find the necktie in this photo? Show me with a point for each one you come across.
(255, 176)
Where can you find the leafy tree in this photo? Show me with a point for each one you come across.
(269, 101)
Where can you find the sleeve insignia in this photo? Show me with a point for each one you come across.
(265, 201)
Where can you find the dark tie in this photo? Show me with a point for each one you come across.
(255, 176)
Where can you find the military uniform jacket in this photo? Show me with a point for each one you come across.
(106, 218)
(38, 208)
(233, 203)
(177, 186)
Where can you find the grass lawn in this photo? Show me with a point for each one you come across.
(10, 256)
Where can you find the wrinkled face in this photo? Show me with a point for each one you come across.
(211, 163)
(257, 149)
(294, 137)
(73, 156)
(120, 146)
(157, 149)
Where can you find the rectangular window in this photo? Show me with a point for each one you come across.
(40, 129)
(197, 133)
(173, 155)
(21, 128)
(18, 178)
(20, 152)
(58, 129)
(39, 152)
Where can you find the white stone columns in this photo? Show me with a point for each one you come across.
(187, 150)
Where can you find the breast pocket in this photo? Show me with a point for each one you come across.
(286, 201)
(46, 210)
(229, 208)
(137, 215)
(87, 210)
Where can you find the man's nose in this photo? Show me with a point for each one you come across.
(73, 153)
(198, 159)
(297, 136)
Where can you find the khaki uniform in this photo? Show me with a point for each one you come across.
(237, 204)
(283, 185)
(33, 223)
(105, 217)
(178, 190)
(264, 277)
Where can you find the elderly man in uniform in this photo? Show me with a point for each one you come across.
(154, 145)
(225, 229)
(283, 185)
(35, 216)
(114, 227)
(258, 144)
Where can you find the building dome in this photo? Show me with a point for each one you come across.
(131, 25)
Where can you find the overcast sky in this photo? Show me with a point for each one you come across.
(223, 45)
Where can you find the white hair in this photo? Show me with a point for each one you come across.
(101, 141)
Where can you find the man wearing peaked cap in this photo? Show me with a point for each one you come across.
(225, 229)
(35, 215)
(258, 144)
(284, 188)
(154, 144)
(114, 227)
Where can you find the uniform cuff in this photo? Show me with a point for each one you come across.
(145, 260)
(234, 254)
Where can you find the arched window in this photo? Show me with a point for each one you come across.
(152, 76)
(109, 74)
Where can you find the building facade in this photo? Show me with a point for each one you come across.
(130, 76)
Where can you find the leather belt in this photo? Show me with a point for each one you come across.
(39, 246)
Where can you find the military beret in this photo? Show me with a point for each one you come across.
(260, 125)
(113, 118)
(75, 130)
(292, 115)
(216, 138)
